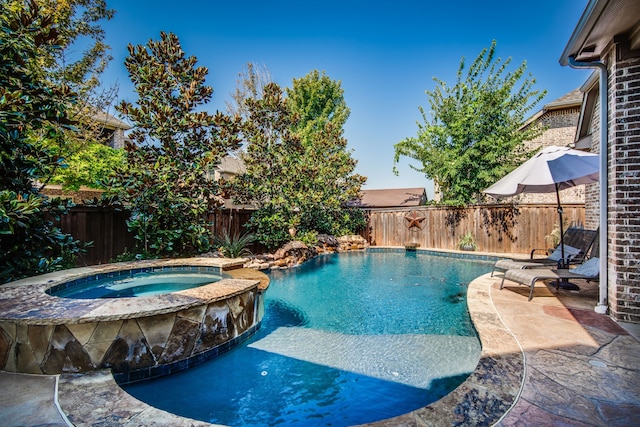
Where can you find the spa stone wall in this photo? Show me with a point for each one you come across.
(135, 348)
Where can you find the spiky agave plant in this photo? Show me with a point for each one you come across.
(234, 246)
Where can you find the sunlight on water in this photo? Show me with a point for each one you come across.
(412, 360)
(346, 339)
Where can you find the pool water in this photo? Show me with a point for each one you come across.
(137, 284)
(346, 339)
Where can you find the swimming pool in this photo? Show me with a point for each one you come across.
(346, 339)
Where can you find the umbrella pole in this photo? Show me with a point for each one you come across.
(561, 226)
(564, 284)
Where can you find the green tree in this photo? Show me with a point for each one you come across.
(30, 104)
(476, 132)
(87, 159)
(77, 64)
(317, 100)
(299, 173)
(329, 181)
(270, 161)
(89, 166)
(165, 181)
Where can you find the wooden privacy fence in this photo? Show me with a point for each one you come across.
(230, 221)
(106, 227)
(496, 228)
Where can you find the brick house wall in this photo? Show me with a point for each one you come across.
(77, 197)
(624, 182)
(592, 191)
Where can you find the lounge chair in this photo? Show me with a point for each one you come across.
(577, 242)
(589, 270)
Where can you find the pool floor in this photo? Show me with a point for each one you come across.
(346, 340)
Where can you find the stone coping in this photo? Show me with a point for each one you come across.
(482, 399)
(26, 301)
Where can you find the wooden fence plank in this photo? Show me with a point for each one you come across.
(496, 228)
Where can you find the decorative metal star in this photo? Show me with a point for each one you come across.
(414, 220)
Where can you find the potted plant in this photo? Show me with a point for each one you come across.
(467, 242)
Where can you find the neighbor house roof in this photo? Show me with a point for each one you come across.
(109, 121)
(395, 197)
(569, 100)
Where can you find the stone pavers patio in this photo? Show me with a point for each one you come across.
(582, 368)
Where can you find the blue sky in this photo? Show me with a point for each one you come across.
(385, 54)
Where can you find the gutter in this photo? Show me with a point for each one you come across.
(602, 306)
(585, 25)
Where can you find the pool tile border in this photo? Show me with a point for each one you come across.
(127, 273)
(472, 256)
(184, 364)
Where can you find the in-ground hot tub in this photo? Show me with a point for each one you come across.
(137, 282)
(138, 337)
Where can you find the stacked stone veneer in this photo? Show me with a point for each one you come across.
(137, 338)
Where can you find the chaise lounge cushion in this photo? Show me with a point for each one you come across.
(569, 251)
(553, 259)
(590, 269)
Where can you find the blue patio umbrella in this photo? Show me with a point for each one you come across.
(552, 169)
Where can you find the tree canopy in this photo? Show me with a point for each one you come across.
(249, 85)
(476, 131)
(299, 173)
(317, 102)
(90, 166)
(30, 104)
(173, 146)
(270, 156)
(77, 63)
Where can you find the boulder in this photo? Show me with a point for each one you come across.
(296, 252)
(327, 240)
(296, 249)
(352, 242)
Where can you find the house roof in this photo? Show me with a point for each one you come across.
(568, 100)
(571, 99)
(600, 22)
(396, 197)
(109, 121)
